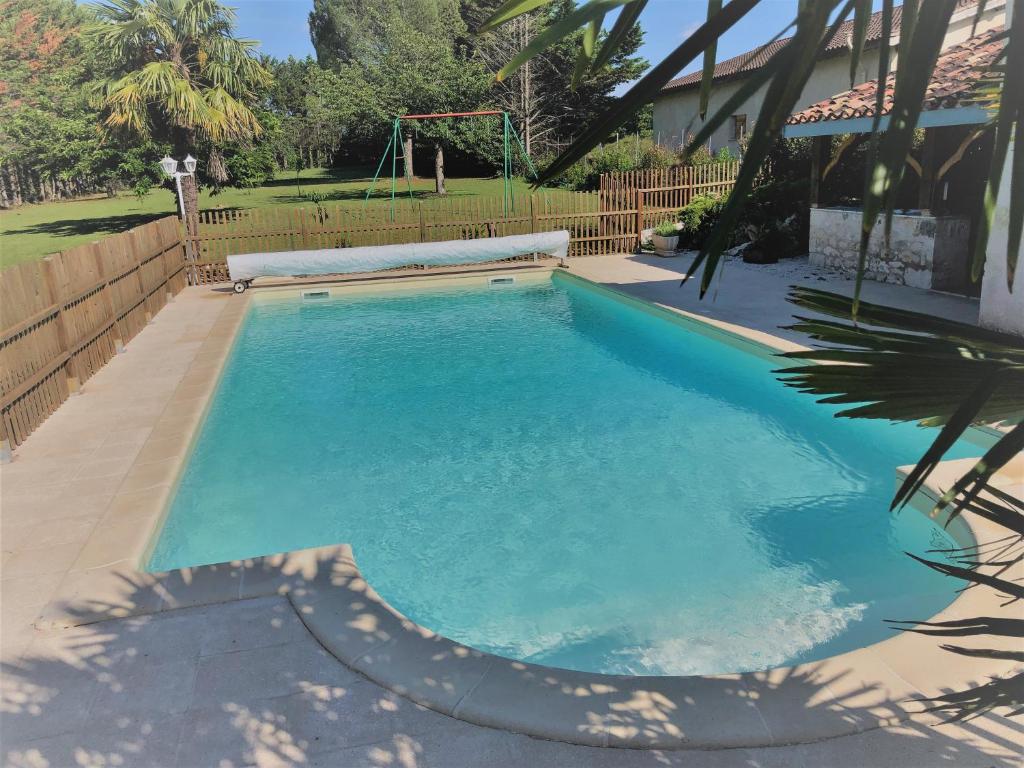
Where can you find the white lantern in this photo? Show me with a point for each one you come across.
(190, 164)
(169, 165)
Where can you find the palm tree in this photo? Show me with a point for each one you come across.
(177, 68)
(905, 366)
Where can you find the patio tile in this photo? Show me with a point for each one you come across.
(132, 741)
(120, 437)
(146, 504)
(173, 447)
(100, 594)
(43, 697)
(250, 624)
(42, 561)
(239, 733)
(142, 684)
(29, 591)
(104, 467)
(94, 486)
(199, 586)
(260, 673)
(114, 542)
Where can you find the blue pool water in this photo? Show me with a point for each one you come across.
(546, 472)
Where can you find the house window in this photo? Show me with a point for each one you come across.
(739, 127)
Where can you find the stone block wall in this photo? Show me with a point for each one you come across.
(925, 251)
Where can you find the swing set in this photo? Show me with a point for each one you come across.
(508, 133)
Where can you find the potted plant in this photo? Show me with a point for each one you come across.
(665, 237)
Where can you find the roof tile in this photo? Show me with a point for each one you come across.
(954, 79)
(758, 57)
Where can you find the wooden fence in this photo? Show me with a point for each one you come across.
(225, 232)
(608, 221)
(65, 316)
(664, 189)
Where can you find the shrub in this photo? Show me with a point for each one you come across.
(700, 156)
(628, 154)
(141, 188)
(699, 217)
(666, 229)
(656, 156)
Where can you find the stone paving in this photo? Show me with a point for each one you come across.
(243, 682)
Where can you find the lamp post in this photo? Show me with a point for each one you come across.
(170, 167)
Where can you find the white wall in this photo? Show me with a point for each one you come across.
(675, 113)
(1001, 309)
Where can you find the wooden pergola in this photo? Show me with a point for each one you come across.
(948, 115)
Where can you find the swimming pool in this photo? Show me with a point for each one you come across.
(547, 472)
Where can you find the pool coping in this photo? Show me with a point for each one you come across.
(861, 690)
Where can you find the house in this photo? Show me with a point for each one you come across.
(930, 240)
(676, 107)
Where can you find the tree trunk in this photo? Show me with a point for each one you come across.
(5, 196)
(439, 170)
(215, 167)
(17, 197)
(190, 196)
(407, 158)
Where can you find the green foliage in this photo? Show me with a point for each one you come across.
(356, 31)
(251, 166)
(699, 217)
(666, 229)
(176, 67)
(141, 189)
(699, 155)
(627, 154)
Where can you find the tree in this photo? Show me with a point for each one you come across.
(354, 31)
(178, 72)
(545, 106)
(413, 70)
(42, 111)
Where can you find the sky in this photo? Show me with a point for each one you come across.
(281, 26)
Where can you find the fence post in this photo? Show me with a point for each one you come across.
(74, 378)
(108, 300)
(304, 228)
(533, 215)
(639, 216)
(423, 222)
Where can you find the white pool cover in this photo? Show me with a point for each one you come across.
(333, 261)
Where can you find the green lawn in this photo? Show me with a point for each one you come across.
(32, 231)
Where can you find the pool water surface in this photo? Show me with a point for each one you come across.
(547, 472)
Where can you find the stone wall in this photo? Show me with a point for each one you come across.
(924, 251)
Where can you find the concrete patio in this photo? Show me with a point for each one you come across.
(244, 682)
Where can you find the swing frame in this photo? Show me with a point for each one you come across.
(508, 133)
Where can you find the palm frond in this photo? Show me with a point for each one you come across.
(583, 15)
(795, 64)
(920, 42)
(644, 90)
(890, 372)
(508, 11)
(708, 65)
(620, 30)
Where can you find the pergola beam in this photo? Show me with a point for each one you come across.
(936, 118)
